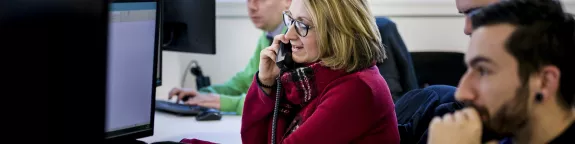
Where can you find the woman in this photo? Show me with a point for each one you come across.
(336, 94)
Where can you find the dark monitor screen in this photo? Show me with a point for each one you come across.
(74, 32)
(189, 26)
(132, 66)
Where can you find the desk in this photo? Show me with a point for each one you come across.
(169, 127)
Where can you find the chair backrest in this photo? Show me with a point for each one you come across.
(432, 68)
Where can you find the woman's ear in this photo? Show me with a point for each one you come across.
(550, 76)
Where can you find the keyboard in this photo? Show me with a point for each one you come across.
(179, 109)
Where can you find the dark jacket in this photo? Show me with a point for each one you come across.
(416, 109)
(397, 69)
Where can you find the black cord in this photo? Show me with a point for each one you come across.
(276, 107)
(190, 68)
(170, 40)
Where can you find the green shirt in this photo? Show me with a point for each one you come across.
(233, 92)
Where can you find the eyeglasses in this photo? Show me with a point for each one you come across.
(300, 27)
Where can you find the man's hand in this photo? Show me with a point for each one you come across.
(461, 127)
(196, 98)
(205, 100)
(180, 93)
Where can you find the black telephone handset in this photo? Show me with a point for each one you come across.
(285, 62)
(284, 59)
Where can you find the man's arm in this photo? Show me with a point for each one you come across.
(232, 103)
(232, 93)
(239, 83)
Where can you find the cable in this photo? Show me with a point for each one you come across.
(170, 40)
(186, 72)
(276, 107)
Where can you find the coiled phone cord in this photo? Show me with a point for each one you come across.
(276, 107)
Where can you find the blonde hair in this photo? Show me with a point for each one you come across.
(347, 34)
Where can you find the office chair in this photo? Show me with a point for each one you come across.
(433, 68)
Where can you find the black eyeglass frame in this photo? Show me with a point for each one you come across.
(301, 28)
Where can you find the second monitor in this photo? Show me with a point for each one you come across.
(189, 26)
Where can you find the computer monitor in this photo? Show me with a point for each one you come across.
(189, 26)
(74, 32)
(131, 74)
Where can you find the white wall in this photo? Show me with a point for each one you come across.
(234, 47)
(420, 22)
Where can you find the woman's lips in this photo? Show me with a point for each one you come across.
(296, 48)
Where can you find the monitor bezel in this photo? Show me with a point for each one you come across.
(159, 56)
(131, 133)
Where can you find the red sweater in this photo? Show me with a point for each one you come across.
(320, 105)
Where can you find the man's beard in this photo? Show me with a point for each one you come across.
(509, 118)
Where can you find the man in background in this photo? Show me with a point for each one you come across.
(469, 8)
(229, 97)
(519, 83)
(416, 108)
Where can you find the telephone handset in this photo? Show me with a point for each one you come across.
(285, 62)
(284, 58)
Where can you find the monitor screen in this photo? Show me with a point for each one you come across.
(131, 79)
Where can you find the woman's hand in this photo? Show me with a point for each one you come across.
(268, 70)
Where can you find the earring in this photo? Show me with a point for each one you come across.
(539, 97)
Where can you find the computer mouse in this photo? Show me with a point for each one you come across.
(209, 115)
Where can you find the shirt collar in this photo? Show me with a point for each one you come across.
(275, 32)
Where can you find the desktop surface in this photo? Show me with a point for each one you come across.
(169, 127)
